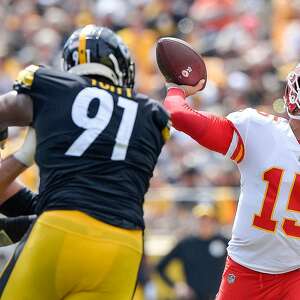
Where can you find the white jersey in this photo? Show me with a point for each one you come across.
(266, 230)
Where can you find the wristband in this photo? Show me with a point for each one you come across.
(175, 87)
(26, 153)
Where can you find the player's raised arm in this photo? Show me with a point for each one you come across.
(181, 64)
(211, 131)
(15, 110)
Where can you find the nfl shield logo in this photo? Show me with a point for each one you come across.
(231, 278)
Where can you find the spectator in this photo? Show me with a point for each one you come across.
(203, 258)
(249, 47)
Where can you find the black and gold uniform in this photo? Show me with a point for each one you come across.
(97, 146)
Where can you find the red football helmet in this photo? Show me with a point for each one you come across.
(292, 93)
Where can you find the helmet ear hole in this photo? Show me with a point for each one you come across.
(99, 45)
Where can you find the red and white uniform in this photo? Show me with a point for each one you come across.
(266, 231)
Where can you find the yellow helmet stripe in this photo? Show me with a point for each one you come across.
(82, 43)
(82, 47)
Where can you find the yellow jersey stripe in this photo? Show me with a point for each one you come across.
(26, 76)
(166, 133)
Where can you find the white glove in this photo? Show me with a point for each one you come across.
(25, 154)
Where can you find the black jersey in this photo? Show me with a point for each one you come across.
(97, 144)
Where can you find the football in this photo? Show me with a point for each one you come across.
(179, 62)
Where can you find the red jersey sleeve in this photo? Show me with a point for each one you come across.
(211, 131)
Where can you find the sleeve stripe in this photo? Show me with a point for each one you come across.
(236, 149)
(239, 152)
(26, 76)
(240, 155)
(233, 145)
(166, 133)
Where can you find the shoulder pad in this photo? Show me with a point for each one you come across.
(259, 117)
(25, 78)
(253, 115)
(262, 117)
(241, 115)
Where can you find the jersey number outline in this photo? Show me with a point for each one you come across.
(94, 126)
(264, 220)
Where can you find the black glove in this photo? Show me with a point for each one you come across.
(3, 137)
(23, 203)
(15, 228)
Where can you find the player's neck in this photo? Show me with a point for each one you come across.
(295, 125)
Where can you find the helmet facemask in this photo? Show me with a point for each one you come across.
(292, 94)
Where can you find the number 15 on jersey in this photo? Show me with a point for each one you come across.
(264, 220)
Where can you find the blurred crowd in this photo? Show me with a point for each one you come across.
(249, 46)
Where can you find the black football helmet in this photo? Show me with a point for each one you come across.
(94, 50)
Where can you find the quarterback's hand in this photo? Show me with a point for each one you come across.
(3, 137)
(187, 89)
